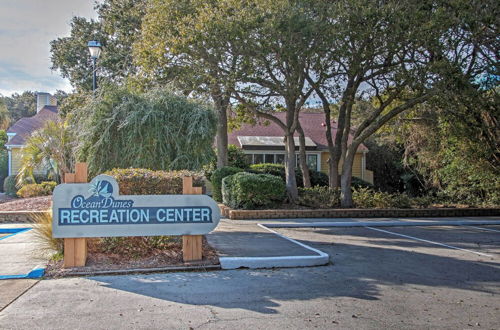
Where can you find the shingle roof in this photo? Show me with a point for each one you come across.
(313, 125)
(25, 126)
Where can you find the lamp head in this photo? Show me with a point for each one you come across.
(94, 49)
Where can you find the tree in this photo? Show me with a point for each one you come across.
(157, 130)
(4, 115)
(279, 44)
(191, 45)
(117, 27)
(20, 105)
(51, 148)
(400, 53)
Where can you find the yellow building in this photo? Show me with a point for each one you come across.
(264, 144)
(19, 132)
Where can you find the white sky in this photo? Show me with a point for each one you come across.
(26, 29)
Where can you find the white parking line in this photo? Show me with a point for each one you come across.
(487, 229)
(430, 242)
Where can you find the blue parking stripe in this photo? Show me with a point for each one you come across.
(35, 273)
(12, 231)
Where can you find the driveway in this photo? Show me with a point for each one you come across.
(392, 278)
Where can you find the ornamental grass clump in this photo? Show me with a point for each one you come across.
(253, 191)
(42, 228)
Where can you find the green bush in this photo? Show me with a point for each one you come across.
(317, 178)
(319, 197)
(359, 183)
(236, 157)
(367, 198)
(217, 177)
(34, 190)
(139, 181)
(9, 185)
(250, 191)
(422, 201)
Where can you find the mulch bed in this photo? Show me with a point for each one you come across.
(98, 260)
(27, 204)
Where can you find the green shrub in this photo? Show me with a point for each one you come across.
(9, 185)
(250, 191)
(236, 157)
(367, 198)
(359, 183)
(317, 178)
(138, 181)
(319, 197)
(422, 201)
(34, 190)
(216, 180)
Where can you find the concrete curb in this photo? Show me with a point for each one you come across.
(141, 270)
(273, 262)
(383, 224)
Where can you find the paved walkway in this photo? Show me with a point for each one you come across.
(20, 255)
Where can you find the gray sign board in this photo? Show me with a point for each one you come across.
(96, 209)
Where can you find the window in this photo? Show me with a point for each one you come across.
(269, 158)
(278, 158)
(312, 162)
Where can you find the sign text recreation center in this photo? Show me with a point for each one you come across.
(96, 210)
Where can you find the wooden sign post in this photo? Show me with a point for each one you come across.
(75, 249)
(191, 244)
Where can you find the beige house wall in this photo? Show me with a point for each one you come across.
(357, 166)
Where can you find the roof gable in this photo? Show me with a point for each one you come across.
(24, 127)
(313, 125)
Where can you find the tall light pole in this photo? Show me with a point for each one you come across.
(95, 52)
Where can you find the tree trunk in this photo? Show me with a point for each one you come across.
(346, 178)
(221, 139)
(291, 183)
(306, 180)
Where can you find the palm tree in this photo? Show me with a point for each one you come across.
(51, 148)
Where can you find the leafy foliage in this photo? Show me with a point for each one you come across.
(51, 148)
(319, 197)
(117, 28)
(157, 130)
(367, 198)
(139, 181)
(249, 191)
(37, 189)
(10, 185)
(217, 177)
(317, 178)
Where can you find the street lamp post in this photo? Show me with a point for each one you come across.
(95, 52)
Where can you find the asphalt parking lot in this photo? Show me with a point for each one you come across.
(386, 277)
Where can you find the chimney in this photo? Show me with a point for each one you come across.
(43, 99)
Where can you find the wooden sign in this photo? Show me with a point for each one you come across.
(96, 209)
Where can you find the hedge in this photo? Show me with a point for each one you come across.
(317, 178)
(138, 181)
(250, 191)
(216, 180)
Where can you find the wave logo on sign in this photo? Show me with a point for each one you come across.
(101, 188)
(101, 192)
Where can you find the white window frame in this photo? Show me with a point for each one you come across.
(278, 152)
